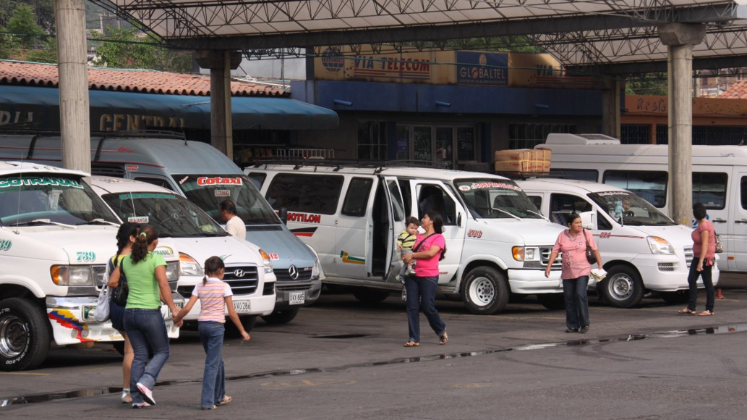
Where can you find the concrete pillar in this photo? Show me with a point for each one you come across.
(75, 124)
(679, 39)
(611, 110)
(220, 64)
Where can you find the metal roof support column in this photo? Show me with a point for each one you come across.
(680, 39)
(220, 64)
(75, 127)
(611, 99)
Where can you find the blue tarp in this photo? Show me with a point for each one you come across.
(126, 110)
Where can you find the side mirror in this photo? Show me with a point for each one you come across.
(283, 215)
(588, 220)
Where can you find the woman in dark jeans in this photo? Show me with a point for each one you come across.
(704, 254)
(146, 277)
(429, 249)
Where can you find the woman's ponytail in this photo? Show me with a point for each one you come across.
(144, 237)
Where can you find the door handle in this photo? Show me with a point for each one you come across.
(718, 221)
(740, 221)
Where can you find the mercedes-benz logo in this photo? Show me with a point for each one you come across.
(238, 273)
(293, 272)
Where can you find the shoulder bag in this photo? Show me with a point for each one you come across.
(591, 257)
(119, 295)
(102, 303)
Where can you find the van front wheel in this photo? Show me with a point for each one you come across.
(366, 295)
(622, 288)
(25, 335)
(485, 291)
(281, 316)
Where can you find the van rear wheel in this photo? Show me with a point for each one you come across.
(675, 298)
(622, 288)
(279, 316)
(485, 291)
(366, 295)
(25, 335)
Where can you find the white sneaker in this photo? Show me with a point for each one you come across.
(126, 395)
(140, 405)
(146, 393)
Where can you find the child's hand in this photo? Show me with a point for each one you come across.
(399, 247)
(245, 335)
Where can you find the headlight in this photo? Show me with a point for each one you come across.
(528, 253)
(660, 245)
(266, 261)
(188, 266)
(315, 270)
(72, 275)
(172, 271)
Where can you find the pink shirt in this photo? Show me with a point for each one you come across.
(428, 267)
(698, 240)
(574, 260)
(212, 299)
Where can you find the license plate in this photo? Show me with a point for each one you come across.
(242, 306)
(297, 298)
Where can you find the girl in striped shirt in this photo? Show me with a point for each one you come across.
(215, 296)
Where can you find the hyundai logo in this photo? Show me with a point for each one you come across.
(238, 273)
(293, 272)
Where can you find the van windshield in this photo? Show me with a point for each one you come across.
(627, 208)
(208, 191)
(172, 215)
(496, 199)
(49, 199)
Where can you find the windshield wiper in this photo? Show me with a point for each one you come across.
(538, 214)
(42, 222)
(504, 211)
(99, 221)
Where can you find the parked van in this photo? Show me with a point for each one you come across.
(56, 236)
(198, 237)
(641, 248)
(496, 241)
(206, 177)
(719, 179)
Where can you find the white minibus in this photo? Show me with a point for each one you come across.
(719, 179)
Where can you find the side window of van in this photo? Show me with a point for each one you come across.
(155, 181)
(404, 187)
(356, 199)
(536, 200)
(398, 205)
(649, 185)
(433, 197)
(562, 205)
(305, 193)
(258, 178)
(591, 175)
(709, 188)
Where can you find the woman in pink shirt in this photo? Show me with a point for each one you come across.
(704, 254)
(429, 249)
(575, 273)
(215, 296)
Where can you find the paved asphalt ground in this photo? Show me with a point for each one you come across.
(340, 359)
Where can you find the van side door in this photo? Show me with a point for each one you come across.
(735, 240)
(434, 195)
(392, 260)
(354, 229)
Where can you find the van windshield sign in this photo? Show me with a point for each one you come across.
(217, 180)
(154, 195)
(503, 185)
(39, 181)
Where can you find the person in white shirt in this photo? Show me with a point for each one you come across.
(234, 225)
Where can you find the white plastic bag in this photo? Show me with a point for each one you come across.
(102, 303)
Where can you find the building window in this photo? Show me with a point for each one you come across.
(372, 140)
(635, 134)
(526, 136)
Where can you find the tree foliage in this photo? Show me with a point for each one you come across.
(23, 25)
(647, 84)
(124, 48)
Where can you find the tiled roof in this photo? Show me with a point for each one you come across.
(736, 91)
(128, 80)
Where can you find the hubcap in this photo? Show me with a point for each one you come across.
(482, 291)
(621, 287)
(13, 335)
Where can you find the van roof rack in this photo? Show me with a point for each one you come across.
(338, 164)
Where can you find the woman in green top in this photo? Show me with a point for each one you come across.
(143, 322)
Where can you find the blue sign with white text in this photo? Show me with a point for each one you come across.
(484, 69)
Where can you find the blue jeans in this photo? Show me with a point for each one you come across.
(421, 294)
(214, 378)
(576, 302)
(146, 328)
(692, 281)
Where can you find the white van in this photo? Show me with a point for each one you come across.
(642, 249)
(198, 237)
(56, 236)
(719, 180)
(206, 177)
(497, 243)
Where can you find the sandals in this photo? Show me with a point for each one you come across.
(686, 311)
(706, 313)
(226, 399)
(443, 339)
(412, 344)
